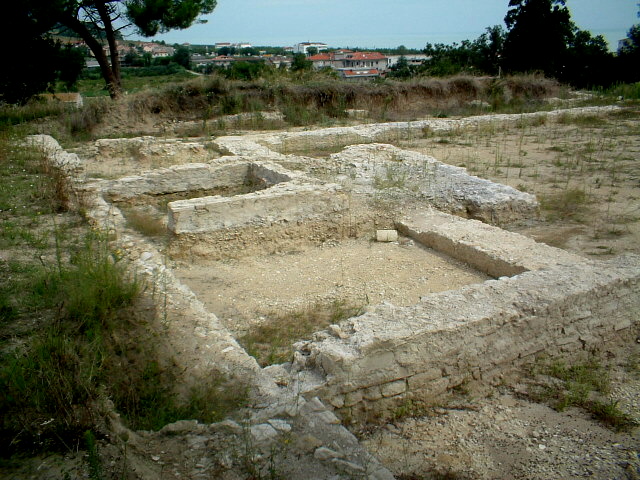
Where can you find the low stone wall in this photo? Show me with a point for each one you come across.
(490, 249)
(179, 178)
(280, 204)
(546, 300)
(375, 168)
(477, 332)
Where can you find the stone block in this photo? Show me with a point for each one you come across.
(394, 388)
(387, 235)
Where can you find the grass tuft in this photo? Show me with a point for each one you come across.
(580, 385)
(271, 341)
(568, 204)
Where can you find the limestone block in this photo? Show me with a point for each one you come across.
(387, 235)
(372, 393)
(327, 417)
(352, 398)
(394, 388)
(274, 205)
(263, 433)
(280, 425)
(424, 379)
(324, 453)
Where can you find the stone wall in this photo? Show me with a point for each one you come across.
(490, 249)
(191, 177)
(282, 203)
(477, 332)
(546, 300)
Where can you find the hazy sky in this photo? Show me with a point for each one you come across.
(376, 23)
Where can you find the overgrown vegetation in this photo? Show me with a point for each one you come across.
(271, 341)
(77, 328)
(322, 100)
(584, 384)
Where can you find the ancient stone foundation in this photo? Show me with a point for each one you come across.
(540, 300)
(555, 303)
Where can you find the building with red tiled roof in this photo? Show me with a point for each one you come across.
(322, 60)
(366, 74)
(365, 60)
(349, 60)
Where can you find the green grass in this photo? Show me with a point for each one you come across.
(35, 109)
(77, 327)
(583, 385)
(583, 121)
(95, 87)
(271, 342)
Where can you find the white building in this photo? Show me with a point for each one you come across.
(305, 46)
(412, 59)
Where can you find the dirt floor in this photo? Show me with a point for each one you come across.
(355, 271)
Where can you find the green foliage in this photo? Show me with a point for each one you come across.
(35, 64)
(33, 109)
(182, 57)
(245, 70)
(587, 62)
(626, 91)
(73, 331)
(57, 375)
(564, 51)
(70, 63)
(20, 80)
(578, 384)
(271, 342)
(629, 56)
(93, 459)
(300, 63)
(402, 69)
(525, 48)
(154, 16)
(94, 20)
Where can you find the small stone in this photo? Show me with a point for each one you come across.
(327, 417)
(336, 331)
(314, 405)
(324, 453)
(387, 235)
(280, 425)
(155, 458)
(263, 433)
(306, 443)
(348, 467)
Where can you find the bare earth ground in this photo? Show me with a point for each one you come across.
(363, 272)
(596, 155)
(497, 434)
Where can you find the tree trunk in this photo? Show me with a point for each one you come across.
(111, 76)
(113, 48)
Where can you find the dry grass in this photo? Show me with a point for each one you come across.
(270, 342)
(322, 100)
